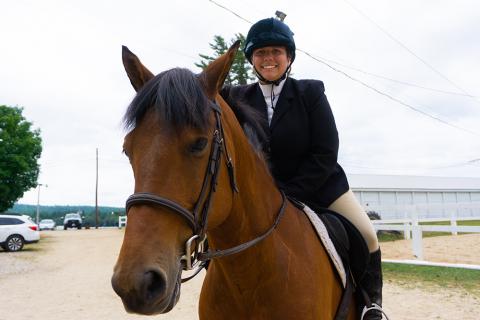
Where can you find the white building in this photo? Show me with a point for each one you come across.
(392, 196)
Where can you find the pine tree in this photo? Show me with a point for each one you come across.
(241, 71)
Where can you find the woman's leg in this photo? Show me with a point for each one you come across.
(348, 206)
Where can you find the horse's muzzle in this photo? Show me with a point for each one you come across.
(149, 292)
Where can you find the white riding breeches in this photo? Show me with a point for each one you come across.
(348, 206)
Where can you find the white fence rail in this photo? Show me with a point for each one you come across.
(411, 228)
(426, 210)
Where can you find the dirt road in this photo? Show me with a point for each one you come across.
(67, 276)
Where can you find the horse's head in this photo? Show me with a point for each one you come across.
(173, 137)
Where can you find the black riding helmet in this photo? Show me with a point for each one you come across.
(269, 32)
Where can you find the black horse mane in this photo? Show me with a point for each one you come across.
(178, 97)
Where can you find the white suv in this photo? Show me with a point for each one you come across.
(15, 231)
(72, 220)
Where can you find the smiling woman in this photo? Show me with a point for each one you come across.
(303, 143)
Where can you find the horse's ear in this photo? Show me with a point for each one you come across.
(215, 73)
(136, 71)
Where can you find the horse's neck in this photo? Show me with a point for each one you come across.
(257, 276)
(254, 207)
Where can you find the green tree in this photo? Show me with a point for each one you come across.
(20, 149)
(241, 71)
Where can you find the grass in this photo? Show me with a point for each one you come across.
(392, 236)
(443, 277)
(389, 236)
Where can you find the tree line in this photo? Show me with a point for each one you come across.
(108, 216)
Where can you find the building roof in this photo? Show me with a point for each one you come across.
(397, 182)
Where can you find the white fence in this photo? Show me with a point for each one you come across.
(413, 230)
(122, 221)
(426, 210)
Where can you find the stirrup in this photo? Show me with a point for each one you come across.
(374, 306)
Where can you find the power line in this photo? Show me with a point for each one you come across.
(470, 162)
(388, 95)
(232, 12)
(407, 49)
(363, 83)
(398, 81)
(465, 94)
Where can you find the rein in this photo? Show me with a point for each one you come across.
(197, 257)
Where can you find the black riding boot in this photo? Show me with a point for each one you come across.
(372, 283)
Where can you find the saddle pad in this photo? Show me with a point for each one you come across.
(327, 243)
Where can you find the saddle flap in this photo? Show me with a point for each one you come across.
(348, 241)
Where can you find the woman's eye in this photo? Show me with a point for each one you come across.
(198, 145)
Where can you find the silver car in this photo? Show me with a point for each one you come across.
(47, 224)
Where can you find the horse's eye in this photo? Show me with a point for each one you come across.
(125, 153)
(198, 145)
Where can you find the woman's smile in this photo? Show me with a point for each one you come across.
(271, 62)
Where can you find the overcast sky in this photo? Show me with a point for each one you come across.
(61, 61)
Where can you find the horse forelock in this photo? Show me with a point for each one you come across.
(176, 95)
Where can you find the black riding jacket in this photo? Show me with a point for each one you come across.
(302, 140)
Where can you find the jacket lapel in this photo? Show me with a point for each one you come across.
(254, 97)
(283, 104)
(257, 101)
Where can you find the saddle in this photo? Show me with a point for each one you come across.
(348, 241)
(350, 246)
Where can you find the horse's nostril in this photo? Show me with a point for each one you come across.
(155, 284)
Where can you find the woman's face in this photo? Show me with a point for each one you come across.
(271, 62)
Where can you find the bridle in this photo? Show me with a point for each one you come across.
(197, 256)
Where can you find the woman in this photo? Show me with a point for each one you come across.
(303, 139)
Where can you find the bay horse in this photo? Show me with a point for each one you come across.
(196, 175)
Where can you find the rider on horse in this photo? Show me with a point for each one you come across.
(302, 145)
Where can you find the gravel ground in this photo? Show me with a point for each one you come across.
(67, 276)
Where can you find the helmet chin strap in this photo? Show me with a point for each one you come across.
(275, 82)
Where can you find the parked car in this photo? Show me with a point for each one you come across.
(15, 231)
(72, 220)
(47, 224)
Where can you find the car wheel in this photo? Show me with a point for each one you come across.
(14, 243)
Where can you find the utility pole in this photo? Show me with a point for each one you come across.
(96, 193)
(39, 185)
